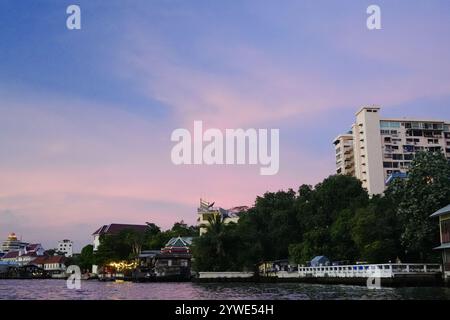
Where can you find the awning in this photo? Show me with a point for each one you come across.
(442, 211)
(443, 246)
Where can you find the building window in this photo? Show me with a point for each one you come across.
(387, 164)
(445, 231)
(389, 124)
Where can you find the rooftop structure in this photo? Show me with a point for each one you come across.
(12, 243)
(207, 210)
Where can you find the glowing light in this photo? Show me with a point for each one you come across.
(123, 265)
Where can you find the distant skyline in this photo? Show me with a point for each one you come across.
(86, 115)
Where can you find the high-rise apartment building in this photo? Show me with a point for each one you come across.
(380, 149)
(345, 159)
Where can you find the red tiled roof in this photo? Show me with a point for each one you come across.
(115, 228)
(29, 254)
(33, 246)
(11, 254)
(49, 259)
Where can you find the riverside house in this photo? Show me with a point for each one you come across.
(113, 229)
(25, 255)
(444, 226)
(173, 262)
(53, 265)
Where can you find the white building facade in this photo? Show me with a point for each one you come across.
(12, 243)
(383, 148)
(207, 211)
(65, 246)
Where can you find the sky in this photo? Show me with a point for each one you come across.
(86, 115)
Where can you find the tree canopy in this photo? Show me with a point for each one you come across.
(338, 219)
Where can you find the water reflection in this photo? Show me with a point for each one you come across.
(56, 289)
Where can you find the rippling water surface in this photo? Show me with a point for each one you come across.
(56, 289)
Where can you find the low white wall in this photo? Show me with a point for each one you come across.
(216, 275)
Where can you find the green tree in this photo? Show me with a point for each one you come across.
(426, 190)
(115, 247)
(217, 249)
(376, 231)
(135, 240)
(324, 214)
(86, 258)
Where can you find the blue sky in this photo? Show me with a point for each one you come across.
(86, 115)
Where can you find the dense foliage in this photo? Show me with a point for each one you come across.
(336, 218)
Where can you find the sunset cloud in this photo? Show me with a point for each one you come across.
(86, 117)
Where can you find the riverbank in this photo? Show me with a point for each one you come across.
(96, 290)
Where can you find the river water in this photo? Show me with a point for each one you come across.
(93, 289)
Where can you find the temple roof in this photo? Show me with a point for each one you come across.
(179, 242)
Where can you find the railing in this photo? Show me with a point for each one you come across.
(363, 271)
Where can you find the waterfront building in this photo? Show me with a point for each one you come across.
(24, 255)
(173, 262)
(113, 229)
(444, 227)
(207, 210)
(51, 264)
(65, 246)
(10, 257)
(31, 252)
(380, 149)
(12, 243)
(175, 259)
(173, 265)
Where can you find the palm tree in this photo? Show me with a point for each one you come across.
(216, 229)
